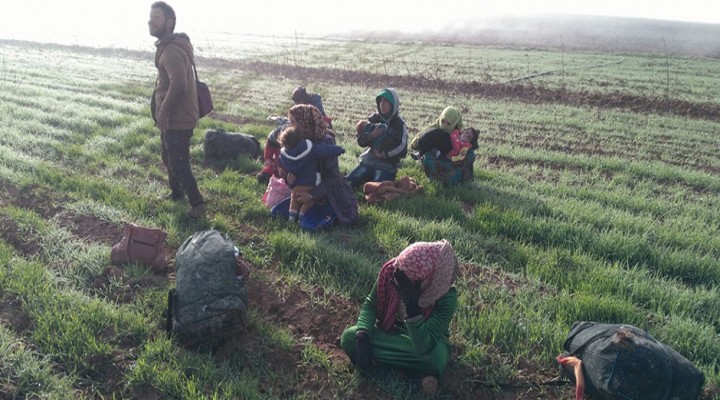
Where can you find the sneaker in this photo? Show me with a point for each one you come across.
(198, 211)
(415, 155)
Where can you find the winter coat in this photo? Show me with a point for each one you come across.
(396, 134)
(302, 161)
(175, 92)
(316, 100)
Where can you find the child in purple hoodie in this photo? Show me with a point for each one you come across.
(300, 157)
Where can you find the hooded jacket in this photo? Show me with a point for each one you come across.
(396, 135)
(302, 161)
(175, 92)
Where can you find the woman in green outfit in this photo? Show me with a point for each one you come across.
(404, 322)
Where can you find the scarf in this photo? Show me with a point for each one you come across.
(432, 263)
(452, 115)
(308, 121)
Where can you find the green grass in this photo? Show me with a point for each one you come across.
(576, 213)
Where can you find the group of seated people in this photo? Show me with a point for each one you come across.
(302, 150)
(404, 321)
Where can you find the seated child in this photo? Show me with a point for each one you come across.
(300, 157)
(302, 96)
(462, 141)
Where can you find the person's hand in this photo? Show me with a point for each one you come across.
(409, 292)
(378, 154)
(163, 124)
(289, 179)
(363, 351)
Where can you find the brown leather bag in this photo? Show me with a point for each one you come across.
(140, 244)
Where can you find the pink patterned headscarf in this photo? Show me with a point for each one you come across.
(309, 121)
(432, 263)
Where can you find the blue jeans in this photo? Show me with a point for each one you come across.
(362, 173)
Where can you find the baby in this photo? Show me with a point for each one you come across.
(462, 141)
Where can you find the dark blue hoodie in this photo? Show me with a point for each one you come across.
(302, 161)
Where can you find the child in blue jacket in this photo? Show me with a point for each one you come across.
(300, 157)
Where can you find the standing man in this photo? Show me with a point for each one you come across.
(175, 105)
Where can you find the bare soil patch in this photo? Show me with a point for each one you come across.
(310, 314)
(526, 92)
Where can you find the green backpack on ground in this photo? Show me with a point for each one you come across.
(209, 301)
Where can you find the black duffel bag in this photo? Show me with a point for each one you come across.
(220, 145)
(624, 362)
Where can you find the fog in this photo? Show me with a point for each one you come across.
(124, 23)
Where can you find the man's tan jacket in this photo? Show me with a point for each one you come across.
(176, 91)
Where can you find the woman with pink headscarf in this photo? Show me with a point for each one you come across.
(404, 322)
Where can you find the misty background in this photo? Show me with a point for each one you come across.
(678, 28)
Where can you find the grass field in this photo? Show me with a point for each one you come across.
(596, 197)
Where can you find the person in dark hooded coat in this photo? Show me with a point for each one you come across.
(386, 143)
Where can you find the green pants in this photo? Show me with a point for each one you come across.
(396, 351)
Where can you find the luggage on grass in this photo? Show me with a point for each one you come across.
(613, 361)
(209, 301)
(141, 244)
(220, 145)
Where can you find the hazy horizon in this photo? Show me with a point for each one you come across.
(241, 30)
(83, 22)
